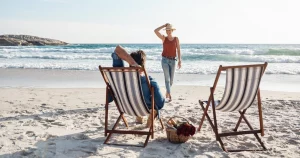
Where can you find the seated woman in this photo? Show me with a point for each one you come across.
(138, 58)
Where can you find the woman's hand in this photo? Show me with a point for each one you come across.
(158, 34)
(179, 64)
(135, 65)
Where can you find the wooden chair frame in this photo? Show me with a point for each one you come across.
(214, 124)
(121, 116)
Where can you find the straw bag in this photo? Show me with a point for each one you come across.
(172, 131)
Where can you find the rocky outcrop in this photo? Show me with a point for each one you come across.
(27, 40)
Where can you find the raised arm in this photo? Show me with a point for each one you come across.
(122, 53)
(158, 34)
(178, 52)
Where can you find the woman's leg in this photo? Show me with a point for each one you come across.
(117, 61)
(165, 67)
(172, 64)
(172, 71)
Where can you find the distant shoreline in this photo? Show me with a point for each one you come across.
(28, 40)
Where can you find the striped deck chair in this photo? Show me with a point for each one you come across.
(242, 86)
(124, 85)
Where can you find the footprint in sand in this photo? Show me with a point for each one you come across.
(29, 123)
(26, 112)
(47, 136)
(31, 99)
(9, 102)
(49, 120)
(294, 142)
(86, 115)
(58, 123)
(193, 119)
(45, 106)
(30, 133)
(80, 136)
(27, 152)
(60, 111)
(38, 118)
(190, 110)
(88, 149)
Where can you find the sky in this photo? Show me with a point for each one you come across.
(134, 21)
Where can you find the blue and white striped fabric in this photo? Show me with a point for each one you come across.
(127, 90)
(241, 88)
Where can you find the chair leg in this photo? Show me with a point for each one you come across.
(125, 121)
(148, 136)
(204, 114)
(106, 112)
(212, 125)
(219, 138)
(106, 118)
(152, 113)
(240, 120)
(208, 118)
(152, 124)
(146, 141)
(249, 125)
(215, 127)
(260, 113)
(113, 130)
(215, 117)
(255, 134)
(114, 127)
(152, 132)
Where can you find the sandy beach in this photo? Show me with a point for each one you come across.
(53, 96)
(69, 122)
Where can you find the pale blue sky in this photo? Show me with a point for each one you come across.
(133, 21)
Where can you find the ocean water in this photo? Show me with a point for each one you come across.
(196, 58)
(41, 66)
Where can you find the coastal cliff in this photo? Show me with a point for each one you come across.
(27, 40)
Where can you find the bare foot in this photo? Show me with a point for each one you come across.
(167, 95)
(139, 120)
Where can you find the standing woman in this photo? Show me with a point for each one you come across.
(170, 47)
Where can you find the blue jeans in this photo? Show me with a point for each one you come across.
(168, 66)
(117, 61)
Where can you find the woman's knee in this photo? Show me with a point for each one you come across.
(167, 81)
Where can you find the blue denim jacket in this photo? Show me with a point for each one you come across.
(158, 97)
